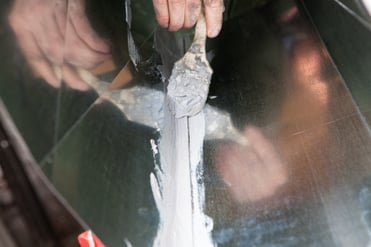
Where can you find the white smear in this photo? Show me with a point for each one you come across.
(133, 50)
(178, 186)
(179, 190)
(146, 106)
(128, 13)
(127, 242)
(177, 183)
(202, 224)
(154, 147)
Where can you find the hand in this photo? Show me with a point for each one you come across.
(252, 172)
(50, 38)
(176, 14)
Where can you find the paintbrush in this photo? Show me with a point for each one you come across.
(190, 78)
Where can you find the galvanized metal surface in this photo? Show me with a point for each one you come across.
(303, 181)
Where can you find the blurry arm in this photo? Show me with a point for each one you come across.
(49, 38)
(252, 172)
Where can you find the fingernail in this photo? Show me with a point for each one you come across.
(213, 32)
(82, 86)
(55, 83)
(163, 24)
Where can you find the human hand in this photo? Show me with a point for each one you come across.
(252, 172)
(50, 38)
(176, 14)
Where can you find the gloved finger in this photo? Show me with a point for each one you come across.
(192, 12)
(162, 12)
(214, 16)
(177, 13)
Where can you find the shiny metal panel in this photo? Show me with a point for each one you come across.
(359, 9)
(348, 46)
(309, 147)
(303, 179)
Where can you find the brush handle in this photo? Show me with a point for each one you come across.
(200, 31)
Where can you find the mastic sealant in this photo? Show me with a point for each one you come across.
(177, 182)
(178, 186)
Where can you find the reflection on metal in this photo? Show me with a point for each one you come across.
(360, 12)
(367, 4)
(349, 52)
(32, 212)
(303, 180)
(298, 180)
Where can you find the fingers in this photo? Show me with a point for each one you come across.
(72, 78)
(41, 67)
(32, 39)
(170, 13)
(47, 42)
(162, 12)
(80, 22)
(38, 63)
(60, 13)
(214, 16)
(50, 40)
(79, 53)
(176, 14)
(192, 12)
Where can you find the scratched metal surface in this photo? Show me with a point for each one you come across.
(349, 52)
(303, 180)
(31, 111)
(305, 177)
(355, 8)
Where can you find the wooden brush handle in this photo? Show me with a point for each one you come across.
(200, 31)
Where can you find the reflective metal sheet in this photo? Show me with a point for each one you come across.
(31, 102)
(303, 179)
(345, 42)
(309, 148)
(358, 9)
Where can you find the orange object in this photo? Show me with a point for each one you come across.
(123, 77)
(105, 67)
(88, 239)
